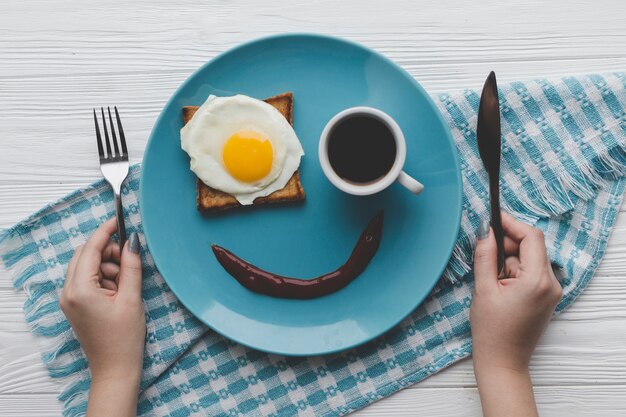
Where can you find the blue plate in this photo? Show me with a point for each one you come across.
(326, 75)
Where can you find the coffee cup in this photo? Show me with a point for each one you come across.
(362, 152)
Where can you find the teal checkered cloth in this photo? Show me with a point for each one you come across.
(563, 161)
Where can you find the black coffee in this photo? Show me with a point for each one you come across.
(361, 149)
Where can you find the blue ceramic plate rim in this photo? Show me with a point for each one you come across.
(448, 134)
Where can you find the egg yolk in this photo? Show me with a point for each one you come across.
(248, 156)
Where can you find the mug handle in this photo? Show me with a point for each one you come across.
(410, 183)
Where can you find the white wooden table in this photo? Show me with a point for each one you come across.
(58, 59)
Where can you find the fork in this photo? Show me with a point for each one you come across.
(114, 164)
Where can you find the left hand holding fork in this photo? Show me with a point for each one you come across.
(102, 301)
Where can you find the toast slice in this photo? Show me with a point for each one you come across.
(209, 199)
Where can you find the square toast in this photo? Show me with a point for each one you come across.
(209, 199)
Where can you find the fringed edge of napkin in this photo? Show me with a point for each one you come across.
(61, 353)
(550, 199)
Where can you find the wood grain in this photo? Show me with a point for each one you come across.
(60, 58)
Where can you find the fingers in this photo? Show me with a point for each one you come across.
(533, 251)
(531, 269)
(110, 270)
(514, 229)
(508, 281)
(88, 267)
(512, 264)
(485, 263)
(130, 269)
(511, 247)
(100, 238)
(111, 253)
(532, 245)
(109, 285)
(71, 268)
(107, 292)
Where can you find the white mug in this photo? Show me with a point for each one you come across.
(394, 174)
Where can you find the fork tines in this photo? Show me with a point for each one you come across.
(115, 154)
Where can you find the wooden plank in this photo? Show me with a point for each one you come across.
(59, 39)
(39, 405)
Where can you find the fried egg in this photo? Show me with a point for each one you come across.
(241, 146)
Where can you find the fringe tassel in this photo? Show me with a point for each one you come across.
(61, 351)
(75, 398)
(460, 263)
(543, 201)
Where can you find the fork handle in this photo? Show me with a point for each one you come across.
(121, 228)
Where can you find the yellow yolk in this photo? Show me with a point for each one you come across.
(248, 156)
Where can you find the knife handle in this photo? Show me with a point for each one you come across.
(496, 220)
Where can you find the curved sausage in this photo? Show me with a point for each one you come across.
(264, 282)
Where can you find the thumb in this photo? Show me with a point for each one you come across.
(130, 268)
(485, 258)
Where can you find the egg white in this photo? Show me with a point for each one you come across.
(204, 137)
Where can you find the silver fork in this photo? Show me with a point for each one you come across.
(114, 164)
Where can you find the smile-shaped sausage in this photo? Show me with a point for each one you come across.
(264, 282)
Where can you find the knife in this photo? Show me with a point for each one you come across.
(489, 146)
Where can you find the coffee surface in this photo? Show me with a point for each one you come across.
(361, 149)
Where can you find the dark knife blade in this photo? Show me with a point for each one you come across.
(489, 146)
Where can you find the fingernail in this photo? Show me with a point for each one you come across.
(483, 229)
(133, 243)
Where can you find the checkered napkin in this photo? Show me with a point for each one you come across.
(563, 158)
